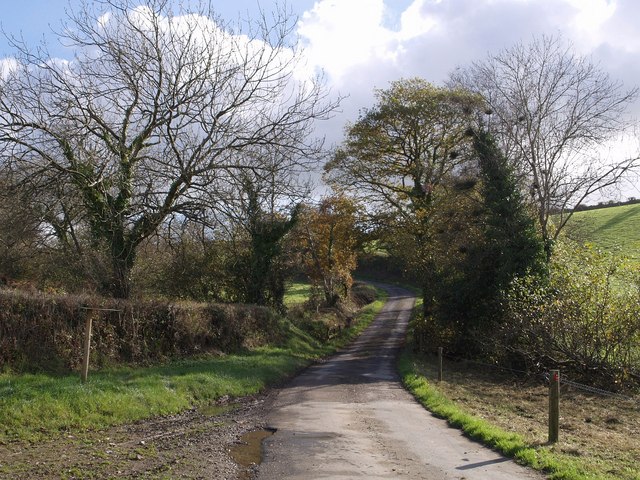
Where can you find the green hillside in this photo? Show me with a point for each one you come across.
(614, 229)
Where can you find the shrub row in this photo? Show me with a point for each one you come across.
(44, 332)
(583, 317)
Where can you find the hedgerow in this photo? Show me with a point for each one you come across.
(45, 332)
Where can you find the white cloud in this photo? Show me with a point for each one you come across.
(414, 22)
(621, 28)
(355, 42)
(349, 39)
(103, 20)
(342, 35)
(591, 14)
(7, 65)
(588, 22)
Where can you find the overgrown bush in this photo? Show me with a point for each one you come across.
(324, 323)
(584, 319)
(363, 294)
(43, 332)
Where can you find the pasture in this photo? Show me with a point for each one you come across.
(614, 229)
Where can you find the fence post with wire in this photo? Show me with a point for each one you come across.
(552, 379)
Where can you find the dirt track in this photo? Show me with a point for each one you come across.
(350, 418)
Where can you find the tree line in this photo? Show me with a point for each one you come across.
(173, 153)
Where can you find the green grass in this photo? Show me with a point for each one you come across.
(35, 407)
(297, 292)
(31, 405)
(615, 229)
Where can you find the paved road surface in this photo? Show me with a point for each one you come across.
(350, 418)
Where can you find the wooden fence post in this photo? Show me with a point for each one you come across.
(554, 405)
(87, 346)
(440, 364)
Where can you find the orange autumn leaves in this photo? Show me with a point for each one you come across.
(327, 237)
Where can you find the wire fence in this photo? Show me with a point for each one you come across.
(554, 379)
(564, 381)
(598, 391)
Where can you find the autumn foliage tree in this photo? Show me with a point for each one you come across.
(327, 240)
(405, 158)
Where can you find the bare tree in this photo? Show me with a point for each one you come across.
(154, 106)
(552, 110)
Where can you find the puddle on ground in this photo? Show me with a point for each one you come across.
(248, 452)
(213, 410)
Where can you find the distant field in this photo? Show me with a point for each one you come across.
(615, 229)
(297, 292)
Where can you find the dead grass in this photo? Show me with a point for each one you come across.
(602, 433)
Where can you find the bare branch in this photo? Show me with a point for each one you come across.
(552, 110)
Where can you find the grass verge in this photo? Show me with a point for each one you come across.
(476, 396)
(508, 443)
(35, 407)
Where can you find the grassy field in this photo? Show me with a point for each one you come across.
(615, 229)
(297, 292)
(34, 407)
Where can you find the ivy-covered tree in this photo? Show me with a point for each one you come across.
(511, 245)
(262, 266)
(258, 208)
(493, 240)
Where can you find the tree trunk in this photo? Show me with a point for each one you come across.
(122, 260)
(120, 286)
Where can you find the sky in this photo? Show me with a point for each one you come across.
(362, 45)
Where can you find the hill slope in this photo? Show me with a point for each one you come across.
(614, 229)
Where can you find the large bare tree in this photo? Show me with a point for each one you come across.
(154, 107)
(553, 110)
